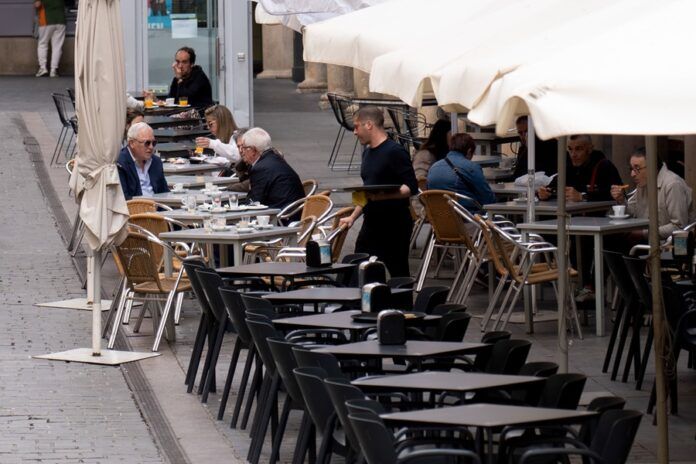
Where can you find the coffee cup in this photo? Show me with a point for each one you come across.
(619, 210)
(209, 186)
(263, 220)
(178, 187)
(169, 102)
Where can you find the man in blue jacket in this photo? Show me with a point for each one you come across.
(140, 172)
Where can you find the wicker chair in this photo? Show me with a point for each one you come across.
(310, 186)
(318, 206)
(139, 256)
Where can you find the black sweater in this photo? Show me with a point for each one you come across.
(196, 87)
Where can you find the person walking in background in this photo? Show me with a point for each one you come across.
(51, 15)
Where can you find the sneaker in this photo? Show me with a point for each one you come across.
(42, 72)
(54, 73)
(584, 294)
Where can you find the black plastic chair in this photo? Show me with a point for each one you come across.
(611, 443)
(495, 335)
(340, 391)
(401, 282)
(539, 369)
(562, 391)
(508, 357)
(311, 358)
(429, 298)
(600, 405)
(379, 447)
(236, 313)
(446, 308)
(282, 352)
(211, 283)
(641, 288)
(258, 306)
(350, 279)
(321, 410)
(628, 317)
(205, 323)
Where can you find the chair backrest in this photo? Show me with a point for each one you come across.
(365, 405)
(429, 297)
(154, 223)
(258, 305)
(539, 369)
(448, 226)
(62, 101)
(139, 260)
(346, 109)
(401, 282)
(501, 245)
(508, 357)
(236, 312)
(71, 93)
(446, 308)
(190, 266)
(615, 433)
(286, 363)
(376, 441)
(306, 225)
(340, 390)
(619, 274)
(138, 206)
(452, 327)
(318, 206)
(395, 116)
(317, 400)
(685, 332)
(600, 405)
(312, 358)
(636, 269)
(309, 186)
(495, 335)
(333, 103)
(211, 283)
(261, 331)
(562, 391)
(492, 249)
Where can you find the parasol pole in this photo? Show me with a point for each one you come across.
(562, 263)
(658, 308)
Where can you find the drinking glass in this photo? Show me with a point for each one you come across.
(190, 203)
(183, 101)
(234, 201)
(208, 225)
(217, 199)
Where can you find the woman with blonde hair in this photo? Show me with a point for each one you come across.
(221, 124)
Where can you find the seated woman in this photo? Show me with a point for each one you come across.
(133, 116)
(434, 149)
(221, 124)
(456, 172)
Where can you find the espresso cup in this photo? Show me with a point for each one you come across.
(619, 210)
(169, 102)
(178, 187)
(263, 220)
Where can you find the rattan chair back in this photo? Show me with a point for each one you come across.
(306, 225)
(318, 206)
(493, 253)
(154, 223)
(141, 206)
(448, 226)
(309, 186)
(139, 260)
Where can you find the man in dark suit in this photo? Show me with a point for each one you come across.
(273, 181)
(140, 172)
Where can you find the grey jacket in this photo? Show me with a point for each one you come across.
(674, 202)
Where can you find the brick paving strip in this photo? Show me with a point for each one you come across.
(82, 413)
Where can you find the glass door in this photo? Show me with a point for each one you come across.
(173, 24)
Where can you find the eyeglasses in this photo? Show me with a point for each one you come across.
(147, 143)
(245, 147)
(637, 170)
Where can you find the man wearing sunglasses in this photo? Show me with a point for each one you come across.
(140, 172)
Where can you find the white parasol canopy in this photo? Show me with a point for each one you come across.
(631, 80)
(101, 111)
(296, 14)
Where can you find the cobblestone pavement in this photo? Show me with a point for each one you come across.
(51, 412)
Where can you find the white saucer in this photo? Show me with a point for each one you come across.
(222, 229)
(243, 230)
(625, 216)
(257, 207)
(260, 227)
(218, 210)
(178, 191)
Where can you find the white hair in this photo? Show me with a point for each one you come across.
(257, 138)
(135, 129)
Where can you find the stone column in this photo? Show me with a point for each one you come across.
(361, 85)
(277, 51)
(340, 79)
(690, 160)
(315, 78)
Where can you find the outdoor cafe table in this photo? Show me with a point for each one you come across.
(597, 227)
(317, 295)
(487, 417)
(198, 216)
(190, 168)
(492, 174)
(414, 350)
(458, 382)
(289, 270)
(174, 199)
(200, 181)
(158, 121)
(174, 149)
(486, 160)
(172, 135)
(507, 188)
(227, 238)
(548, 208)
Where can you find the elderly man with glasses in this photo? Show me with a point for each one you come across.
(674, 198)
(140, 172)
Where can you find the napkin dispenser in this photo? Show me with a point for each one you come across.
(318, 253)
(371, 271)
(391, 327)
(375, 297)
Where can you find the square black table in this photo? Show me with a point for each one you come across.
(317, 295)
(290, 271)
(157, 122)
(172, 135)
(458, 382)
(415, 350)
(487, 417)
